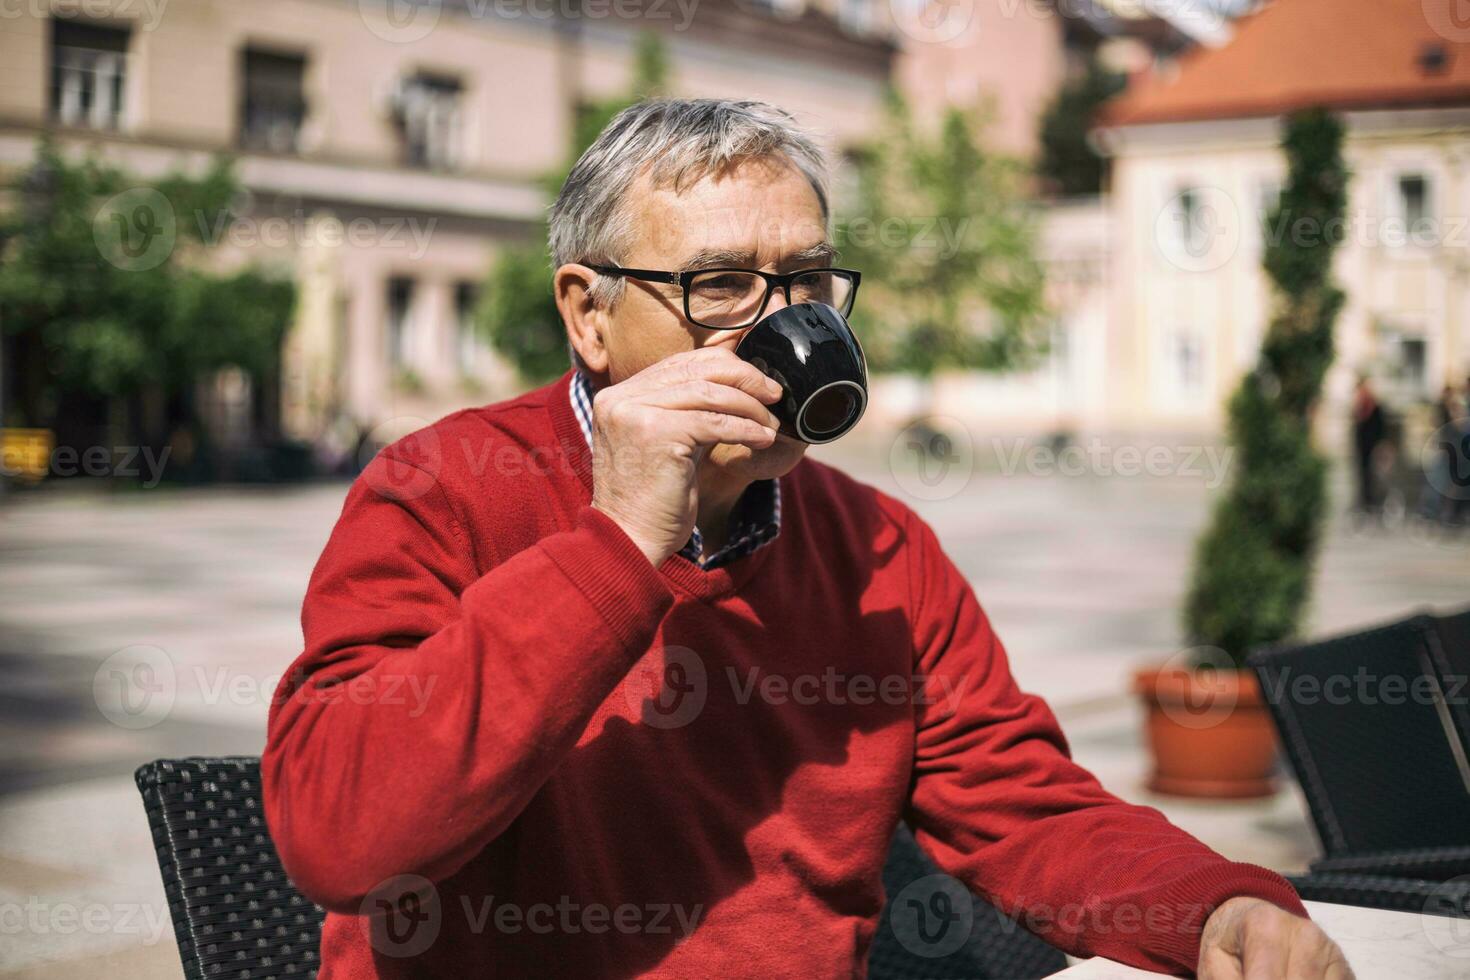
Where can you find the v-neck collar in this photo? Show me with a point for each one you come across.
(687, 576)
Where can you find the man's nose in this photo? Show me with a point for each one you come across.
(777, 300)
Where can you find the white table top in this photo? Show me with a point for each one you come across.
(1379, 946)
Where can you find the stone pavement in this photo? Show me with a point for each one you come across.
(1081, 575)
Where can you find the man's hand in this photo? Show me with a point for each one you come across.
(650, 432)
(1251, 939)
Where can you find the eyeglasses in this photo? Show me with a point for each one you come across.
(728, 299)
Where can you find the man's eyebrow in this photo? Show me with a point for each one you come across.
(822, 252)
(719, 258)
(738, 258)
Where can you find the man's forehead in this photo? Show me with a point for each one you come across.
(752, 213)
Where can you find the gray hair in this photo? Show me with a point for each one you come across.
(676, 142)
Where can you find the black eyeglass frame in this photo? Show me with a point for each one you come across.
(774, 281)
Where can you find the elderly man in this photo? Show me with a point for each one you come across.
(609, 681)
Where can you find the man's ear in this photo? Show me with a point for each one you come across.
(584, 319)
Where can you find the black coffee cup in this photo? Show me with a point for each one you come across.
(811, 352)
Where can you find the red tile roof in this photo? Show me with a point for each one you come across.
(1344, 54)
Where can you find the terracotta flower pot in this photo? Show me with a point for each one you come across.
(1210, 732)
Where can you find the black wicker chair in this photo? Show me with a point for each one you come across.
(236, 914)
(1450, 898)
(1383, 770)
(1377, 760)
(997, 947)
(1449, 652)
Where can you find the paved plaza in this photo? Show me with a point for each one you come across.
(1081, 575)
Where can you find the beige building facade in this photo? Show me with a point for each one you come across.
(1191, 203)
(388, 150)
(1196, 168)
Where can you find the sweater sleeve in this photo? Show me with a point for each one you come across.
(428, 706)
(998, 802)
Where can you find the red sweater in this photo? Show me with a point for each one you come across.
(611, 770)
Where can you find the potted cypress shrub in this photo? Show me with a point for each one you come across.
(1207, 724)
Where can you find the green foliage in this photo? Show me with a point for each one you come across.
(94, 274)
(1068, 164)
(946, 240)
(517, 311)
(1253, 566)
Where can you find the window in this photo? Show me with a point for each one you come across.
(1405, 360)
(1268, 198)
(857, 16)
(784, 9)
(428, 113)
(1189, 213)
(1413, 194)
(1188, 359)
(273, 105)
(1413, 364)
(1060, 348)
(400, 321)
(88, 72)
(469, 345)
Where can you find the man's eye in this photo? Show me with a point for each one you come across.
(725, 283)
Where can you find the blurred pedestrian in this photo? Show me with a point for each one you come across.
(1436, 502)
(1457, 430)
(1369, 429)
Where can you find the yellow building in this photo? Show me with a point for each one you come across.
(1196, 167)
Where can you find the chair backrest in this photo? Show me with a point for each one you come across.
(1365, 727)
(1449, 651)
(235, 914)
(909, 947)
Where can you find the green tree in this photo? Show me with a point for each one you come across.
(1253, 566)
(103, 303)
(1068, 164)
(945, 237)
(517, 312)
